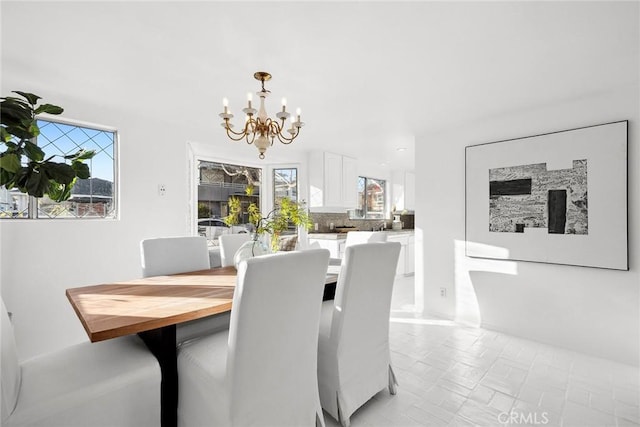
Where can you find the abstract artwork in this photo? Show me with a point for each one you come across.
(533, 196)
(558, 197)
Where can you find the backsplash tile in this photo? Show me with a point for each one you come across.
(324, 221)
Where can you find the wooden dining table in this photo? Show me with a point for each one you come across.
(152, 307)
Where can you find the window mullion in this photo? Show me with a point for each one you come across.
(32, 210)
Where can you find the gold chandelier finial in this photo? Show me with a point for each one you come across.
(261, 130)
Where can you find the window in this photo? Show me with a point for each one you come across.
(90, 198)
(218, 182)
(285, 184)
(371, 199)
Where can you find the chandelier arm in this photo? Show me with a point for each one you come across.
(274, 129)
(230, 134)
(253, 137)
(283, 139)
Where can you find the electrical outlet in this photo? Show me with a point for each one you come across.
(162, 190)
(443, 292)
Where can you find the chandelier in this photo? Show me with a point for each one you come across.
(261, 130)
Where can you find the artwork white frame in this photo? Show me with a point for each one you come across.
(605, 245)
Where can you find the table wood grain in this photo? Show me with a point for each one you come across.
(122, 308)
(115, 309)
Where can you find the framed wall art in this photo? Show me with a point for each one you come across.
(557, 198)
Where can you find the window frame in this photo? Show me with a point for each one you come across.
(32, 209)
(273, 182)
(385, 197)
(195, 158)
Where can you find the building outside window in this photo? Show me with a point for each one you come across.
(218, 182)
(371, 199)
(90, 198)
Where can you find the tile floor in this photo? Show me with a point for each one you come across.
(451, 375)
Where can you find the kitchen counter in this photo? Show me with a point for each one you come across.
(342, 236)
(336, 242)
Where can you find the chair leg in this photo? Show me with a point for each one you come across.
(344, 421)
(393, 383)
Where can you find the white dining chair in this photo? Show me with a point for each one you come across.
(262, 371)
(110, 383)
(353, 346)
(358, 237)
(229, 245)
(172, 255)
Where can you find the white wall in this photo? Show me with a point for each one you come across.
(585, 309)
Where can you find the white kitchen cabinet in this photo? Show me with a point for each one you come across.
(349, 182)
(335, 243)
(404, 190)
(332, 242)
(406, 261)
(332, 181)
(410, 256)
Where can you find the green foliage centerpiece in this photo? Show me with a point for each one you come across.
(275, 223)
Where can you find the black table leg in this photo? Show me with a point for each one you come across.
(162, 343)
(329, 291)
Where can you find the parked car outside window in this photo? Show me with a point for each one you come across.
(212, 228)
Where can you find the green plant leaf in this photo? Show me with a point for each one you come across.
(19, 131)
(81, 154)
(37, 183)
(4, 135)
(33, 129)
(20, 178)
(234, 211)
(33, 152)
(61, 173)
(31, 98)
(49, 109)
(81, 169)
(10, 162)
(7, 178)
(14, 110)
(59, 192)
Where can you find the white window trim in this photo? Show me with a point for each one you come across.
(116, 172)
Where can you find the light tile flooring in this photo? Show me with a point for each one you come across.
(450, 375)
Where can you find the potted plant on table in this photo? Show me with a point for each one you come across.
(273, 224)
(23, 164)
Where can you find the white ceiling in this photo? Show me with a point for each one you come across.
(369, 76)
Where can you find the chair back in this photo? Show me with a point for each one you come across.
(11, 372)
(358, 237)
(172, 255)
(229, 245)
(273, 338)
(360, 320)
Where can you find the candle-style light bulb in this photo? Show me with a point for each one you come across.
(298, 112)
(249, 98)
(284, 104)
(225, 104)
